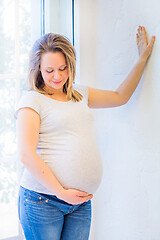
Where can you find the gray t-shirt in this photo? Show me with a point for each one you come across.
(66, 143)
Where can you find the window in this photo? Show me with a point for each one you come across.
(21, 23)
(59, 17)
(16, 37)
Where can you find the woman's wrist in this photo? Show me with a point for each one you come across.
(143, 59)
(59, 193)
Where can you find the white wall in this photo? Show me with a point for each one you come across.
(127, 204)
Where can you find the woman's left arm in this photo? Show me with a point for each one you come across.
(98, 98)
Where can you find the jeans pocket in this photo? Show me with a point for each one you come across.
(34, 197)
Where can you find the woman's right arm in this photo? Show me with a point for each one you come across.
(28, 125)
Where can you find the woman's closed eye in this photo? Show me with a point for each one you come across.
(61, 69)
(49, 71)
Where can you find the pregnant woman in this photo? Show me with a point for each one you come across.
(56, 140)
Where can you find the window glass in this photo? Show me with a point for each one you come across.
(7, 36)
(59, 17)
(8, 164)
(16, 20)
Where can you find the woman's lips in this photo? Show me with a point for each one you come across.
(56, 82)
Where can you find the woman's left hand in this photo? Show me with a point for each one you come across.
(144, 47)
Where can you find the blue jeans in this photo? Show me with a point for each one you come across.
(45, 217)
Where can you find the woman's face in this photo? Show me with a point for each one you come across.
(54, 71)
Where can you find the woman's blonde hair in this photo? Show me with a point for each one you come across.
(52, 43)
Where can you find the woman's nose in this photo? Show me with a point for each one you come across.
(57, 75)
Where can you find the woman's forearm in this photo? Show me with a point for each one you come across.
(128, 86)
(42, 173)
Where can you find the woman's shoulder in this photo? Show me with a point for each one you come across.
(83, 89)
(29, 98)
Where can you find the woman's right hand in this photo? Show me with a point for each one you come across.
(74, 197)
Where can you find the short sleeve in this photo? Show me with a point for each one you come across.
(83, 89)
(28, 99)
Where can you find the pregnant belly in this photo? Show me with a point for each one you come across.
(82, 171)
